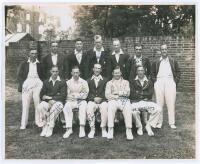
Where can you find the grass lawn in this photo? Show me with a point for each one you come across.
(166, 144)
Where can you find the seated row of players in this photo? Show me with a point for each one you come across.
(58, 95)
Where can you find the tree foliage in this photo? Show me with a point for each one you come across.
(136, 20)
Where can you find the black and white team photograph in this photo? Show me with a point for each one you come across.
(100, 81)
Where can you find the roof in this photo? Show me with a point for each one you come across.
(15, 37)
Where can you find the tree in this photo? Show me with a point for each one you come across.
(121, 21)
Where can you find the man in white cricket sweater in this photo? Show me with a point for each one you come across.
(117, 92)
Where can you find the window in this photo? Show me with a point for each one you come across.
(19, 27)
(41, 29)
(41, 18)
(28, 29)
(28, 16)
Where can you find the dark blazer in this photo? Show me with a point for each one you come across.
(23, 73)
(97, 92)
(47, 64)
(104, 60)
(174, 66)
(72, 61)
(58, 92)
(132, 67)
(139, 92)
(123, 59)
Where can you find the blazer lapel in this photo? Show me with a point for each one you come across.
(138, 83)
(171, 63)
(145, 85)
(157, 65)
(99, 83)
(93, 83)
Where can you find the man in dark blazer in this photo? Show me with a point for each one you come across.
(99, 55)
(119, 58)
(30, 76)
(54, 59)
(166, 75)
(137, 60)
(53, 94)
(77, 58)
(141, 98)
(96, 100)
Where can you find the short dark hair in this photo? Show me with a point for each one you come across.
(54, 66)
(117, 67)
(163, 43)
(139, 67)
(138, 45)
(98, 64)
(75, 67)
(54, 42)
(78, 39)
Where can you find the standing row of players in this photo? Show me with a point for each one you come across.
(55, 95)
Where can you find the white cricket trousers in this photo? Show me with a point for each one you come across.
(103, 108)
(125, 107)
(165, 91)
(31, 89)
(49, 113)
(152, 108)
(68, 112)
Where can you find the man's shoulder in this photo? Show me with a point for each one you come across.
(125, 81)
(82, 80)
(46, 81)
(156, 59)
(45, 57)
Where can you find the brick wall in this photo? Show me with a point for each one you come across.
(182, 49)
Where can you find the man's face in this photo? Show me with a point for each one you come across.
(33, 55)
(138, 51)
(140, 72)
(117, 74)
(54, 48)
(75, 73)
(163, 50)
(97, 69)
(116, 46)
(54, 72)
(98, 44)
(79, 45)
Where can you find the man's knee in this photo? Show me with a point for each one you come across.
(58, 106)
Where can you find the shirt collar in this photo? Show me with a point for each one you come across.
(52, 54)
(120, 52)
(102, 49)
(57, 79)
(79, 79)
(77, 52)
(36, 61)
(135, 57)
(100, 77)
(166, 59)
(144, 79)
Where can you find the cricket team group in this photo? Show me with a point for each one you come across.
(99, 81)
